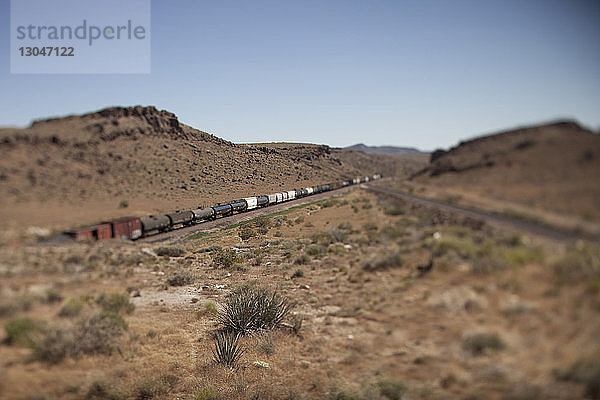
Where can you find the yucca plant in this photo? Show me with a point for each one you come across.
(227, 348)
(251, 309)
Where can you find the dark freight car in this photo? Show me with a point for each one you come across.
(181, 217)
(222, 210)
(238, 206)
(203, 213)
(155, 222)
(262, 200)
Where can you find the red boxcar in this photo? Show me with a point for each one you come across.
(127, 228)
(99, 232)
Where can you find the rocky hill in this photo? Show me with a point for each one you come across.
(81, 168)
(553, 166)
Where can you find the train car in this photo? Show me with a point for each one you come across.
(128, 228)
(272, 198)
(285, 196)
(181, 218)
(157, 223)
(279, 197)
(238, 206)
(251, 202)
(355, 181)
(262, 200)
(203, 213)
(346, 183)
(94, 232)
(222, 210)
(291, 194)
(309, 191)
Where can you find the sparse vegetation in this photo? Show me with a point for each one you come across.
(225, 258)
(391, 389)
(299, 273)
(72, 307)
(151, 387)
(252, 309)
(23, 331)
(104, 390)
(170, 251)
(227, 348)
(115, 302)
(180, 278)
(123, 204)
(384, 261)
(585, 370)
(246, 232)
(478, 343)
(580, 261)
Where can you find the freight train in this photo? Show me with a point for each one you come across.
(131, 228)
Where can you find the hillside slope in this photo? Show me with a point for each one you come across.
(553, 166)
(80, 168)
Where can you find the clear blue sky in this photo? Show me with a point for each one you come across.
(414, 73)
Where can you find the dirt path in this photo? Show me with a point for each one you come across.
(494, 219)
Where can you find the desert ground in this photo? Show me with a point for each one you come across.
(384, 300)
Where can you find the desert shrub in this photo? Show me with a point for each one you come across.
(123, 204)
(115, 302)
(252, 309)
(464, 248)
(330, 202)
(391, 389)
(150, 387)
(299, 220)
(337, 236)
(225, 258)
(206, 394)
(246, 232)
(54, 345)
(10, 306)
(170, 251)
(53, 296)
(227, 348)
(370, 226)
(209, 309)
(103, 390)
(299, 273)
(262, 221)
(384, 261)
(580, 261)
(72, 307)
(478, 343)
(302, 259)
(585, 370)
(316, 250)
(97, 335)
(180, 278)
(394, 210)
(345, 225)
(393, 231)
(337, 394)
(23, 331)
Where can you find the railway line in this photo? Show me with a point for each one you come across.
(236, 218)
(493, 219)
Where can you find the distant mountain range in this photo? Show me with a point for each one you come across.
(389, 150)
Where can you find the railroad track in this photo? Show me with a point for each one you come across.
(493, 219)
